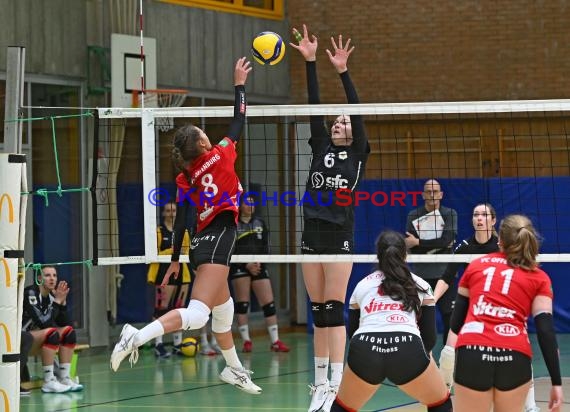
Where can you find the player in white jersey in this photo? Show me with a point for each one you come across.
(392, 329)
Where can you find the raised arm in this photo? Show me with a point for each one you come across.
(241, 70)
(308, 49)
(339, 59)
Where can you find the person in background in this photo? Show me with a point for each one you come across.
(483, 241)
(392, 330)
(496, 295)
(431, 229)
(44, 316)
(339, 156)
(209, 347)
(174, 294)
(253, 239)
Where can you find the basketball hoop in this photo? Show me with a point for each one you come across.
(161, 98)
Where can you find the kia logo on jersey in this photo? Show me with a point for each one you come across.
(397, 319)
(506, 329)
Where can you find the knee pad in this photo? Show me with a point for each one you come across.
(52, 339)
(269, 309)
(443, 406)
(318, 311)
(223, 316)
(195, 315)
(241, 308)
(68, 337)
(334, 313)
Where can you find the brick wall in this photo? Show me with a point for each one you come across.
(443, 50)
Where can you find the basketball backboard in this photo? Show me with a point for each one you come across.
(126, 67)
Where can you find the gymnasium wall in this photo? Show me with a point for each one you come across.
(439, 51)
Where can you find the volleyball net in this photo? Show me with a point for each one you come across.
(514, 155)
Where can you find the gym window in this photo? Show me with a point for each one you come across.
(268, 9)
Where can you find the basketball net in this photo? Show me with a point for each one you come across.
(161, 98)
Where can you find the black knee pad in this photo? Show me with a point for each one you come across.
(52, 339)
(318, 311)
(334, 313)
(241, 308)
(69, 338)
(269, 309)
(443, 406)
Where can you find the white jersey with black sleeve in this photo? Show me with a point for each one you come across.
(380, 313)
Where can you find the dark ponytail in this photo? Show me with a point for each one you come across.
(398, 282)
(185, 147)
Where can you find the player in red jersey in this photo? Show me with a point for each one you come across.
(496, 295)
(208, 181)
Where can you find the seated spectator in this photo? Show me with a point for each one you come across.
(45, 318)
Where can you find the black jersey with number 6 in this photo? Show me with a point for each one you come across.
(333, 167)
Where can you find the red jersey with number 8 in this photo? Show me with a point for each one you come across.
(500, 301)
(214, 186)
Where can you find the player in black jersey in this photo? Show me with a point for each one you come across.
(338, 161)
(44, 315)
(175, 293)
(253, 239)
(483, 241)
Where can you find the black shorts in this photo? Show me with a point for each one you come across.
(214, 244)
(238, 270)
(398, 356)
(325, 238)
(481, 368)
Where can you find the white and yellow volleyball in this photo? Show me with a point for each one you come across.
(268, 48)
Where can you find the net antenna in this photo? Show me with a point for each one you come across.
(161, 98)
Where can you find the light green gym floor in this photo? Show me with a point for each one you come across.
(181, 383)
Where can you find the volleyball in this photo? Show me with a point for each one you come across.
(189, 347)
(268, 48)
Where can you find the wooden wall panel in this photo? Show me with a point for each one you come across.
(474, 147)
